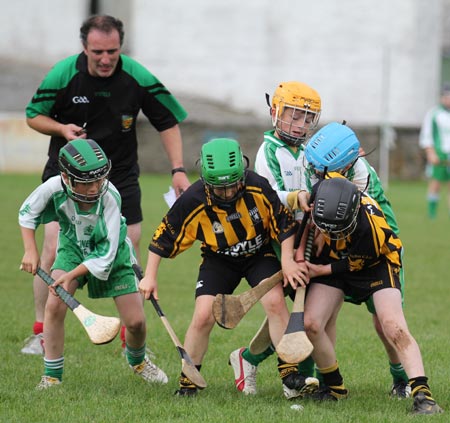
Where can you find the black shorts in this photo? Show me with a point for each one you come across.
(219, 275)
(128, 187)
(361, 285)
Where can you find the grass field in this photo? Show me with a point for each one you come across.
(98, 386)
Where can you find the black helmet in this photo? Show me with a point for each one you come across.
(336, 207)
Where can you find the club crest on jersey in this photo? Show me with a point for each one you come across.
(217, 228)
(254, 215)
(127, 122)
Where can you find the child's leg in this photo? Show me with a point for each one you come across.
(131, 310)
(55, 313)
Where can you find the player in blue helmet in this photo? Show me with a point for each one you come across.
(335, 148)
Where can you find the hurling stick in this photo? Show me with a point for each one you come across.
(187, 366)
(100, 329)
(261, 341)
(294, 346)
(228, 310)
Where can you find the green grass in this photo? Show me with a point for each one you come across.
(98, 387)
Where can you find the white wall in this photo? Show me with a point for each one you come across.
(41, 31)
(370, 61)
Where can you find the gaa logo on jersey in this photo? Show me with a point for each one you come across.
(217, 228)
(127, 122)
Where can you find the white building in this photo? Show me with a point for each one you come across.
(375, 64)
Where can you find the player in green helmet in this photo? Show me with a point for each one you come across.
(234, 213)
(93, 250)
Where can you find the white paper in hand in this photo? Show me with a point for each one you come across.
(170, 196)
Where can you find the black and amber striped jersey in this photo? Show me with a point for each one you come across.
(372, 241)
(237, 230)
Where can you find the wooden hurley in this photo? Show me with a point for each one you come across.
(100, 329)
(261, 341)
(187, 366)
(295, 346)
(228, 310)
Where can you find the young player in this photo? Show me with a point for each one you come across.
(361, 258)
(93, 250)
(235, 214)
(336, 148)
(295, 111)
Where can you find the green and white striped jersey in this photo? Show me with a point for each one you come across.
(435, 131)
(280, 165)
(97, 233)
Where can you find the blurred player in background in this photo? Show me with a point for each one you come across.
(435, 140)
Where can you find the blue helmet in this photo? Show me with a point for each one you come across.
(333, 147)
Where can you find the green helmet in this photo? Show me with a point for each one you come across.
(83, 161)
(222, 166)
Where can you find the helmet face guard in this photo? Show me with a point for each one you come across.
(334, 147)
(84, 162)
(295, 112)
(336, 208)
(223, 170)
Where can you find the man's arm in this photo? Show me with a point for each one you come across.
(171, 140)
(48, 126)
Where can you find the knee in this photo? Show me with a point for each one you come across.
(136, 325)
(312, 327)
(55, 308)
(275, 303)
(203, 321)
(397, 335)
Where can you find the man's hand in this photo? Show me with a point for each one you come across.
(180, 183)
(73, 132)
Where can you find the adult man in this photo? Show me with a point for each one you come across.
(235, 214)
(99, 93)
(435, 140)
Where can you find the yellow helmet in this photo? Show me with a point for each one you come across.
(298, 97)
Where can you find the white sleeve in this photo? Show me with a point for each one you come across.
(33, 207)
(262, 168)
(426, 131)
